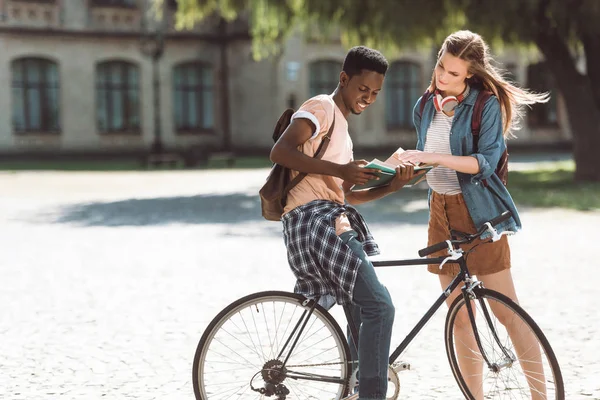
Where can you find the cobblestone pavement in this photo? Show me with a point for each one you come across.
(108, 280)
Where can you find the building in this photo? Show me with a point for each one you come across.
(83, 74)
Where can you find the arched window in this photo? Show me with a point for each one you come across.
(117, 96)
(539, 79)
(324, 76)
(35, 100)
(402, 90)
(193, 103)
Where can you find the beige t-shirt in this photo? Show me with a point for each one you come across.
(320, 110)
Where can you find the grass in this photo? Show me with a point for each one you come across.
(553, 186)
(241, 162)
(70, 166)
(120, 165)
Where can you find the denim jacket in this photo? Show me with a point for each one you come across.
(484, 203)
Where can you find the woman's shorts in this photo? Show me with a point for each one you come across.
(450, 212)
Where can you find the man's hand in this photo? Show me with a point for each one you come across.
(404, 173)
(355, 173)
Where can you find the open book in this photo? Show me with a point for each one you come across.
(387, 171)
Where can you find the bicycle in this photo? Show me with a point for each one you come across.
(279, 344)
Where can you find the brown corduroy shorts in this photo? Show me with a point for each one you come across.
(450, 212)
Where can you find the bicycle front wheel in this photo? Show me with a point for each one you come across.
(513, 358)
(244, 348)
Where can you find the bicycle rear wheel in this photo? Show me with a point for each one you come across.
(519, 365)
(240, 350)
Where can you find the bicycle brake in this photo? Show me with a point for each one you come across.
(454, 255)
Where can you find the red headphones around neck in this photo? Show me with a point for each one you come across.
(448, 103)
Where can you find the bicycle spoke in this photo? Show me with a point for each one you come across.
(239, 353)
(520, 364)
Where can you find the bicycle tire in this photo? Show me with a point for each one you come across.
(509, 374)
(322, 336)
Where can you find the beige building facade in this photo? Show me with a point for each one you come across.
(79, 77)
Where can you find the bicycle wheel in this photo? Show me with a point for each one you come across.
(240, 351)
(519, 365)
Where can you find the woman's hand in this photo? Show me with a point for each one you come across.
(417, 157)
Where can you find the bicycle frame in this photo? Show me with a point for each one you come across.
(462, 276)
(463, 273)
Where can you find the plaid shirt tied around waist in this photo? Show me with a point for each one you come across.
(321, 262)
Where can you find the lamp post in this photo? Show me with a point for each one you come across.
(152, 44)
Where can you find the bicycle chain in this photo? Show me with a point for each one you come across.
(319, 365)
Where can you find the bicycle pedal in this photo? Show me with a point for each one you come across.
(400, 366)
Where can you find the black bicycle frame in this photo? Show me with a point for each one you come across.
(353, 330)
(431, 311)
(460, 277)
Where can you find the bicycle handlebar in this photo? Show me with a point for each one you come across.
(468, 238)
(433, 248)
(500, 218)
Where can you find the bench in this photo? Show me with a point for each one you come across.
(172, 160)
(227, 156)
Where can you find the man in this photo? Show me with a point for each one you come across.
(327, 240)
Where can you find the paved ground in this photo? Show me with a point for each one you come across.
(108, 280)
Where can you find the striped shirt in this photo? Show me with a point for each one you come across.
(441, 179)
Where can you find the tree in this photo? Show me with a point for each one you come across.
(564, 31)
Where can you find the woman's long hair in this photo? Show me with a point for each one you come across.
(470, 47)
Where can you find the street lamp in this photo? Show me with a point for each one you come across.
(152, 44)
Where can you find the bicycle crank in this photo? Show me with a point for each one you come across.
(393, 380)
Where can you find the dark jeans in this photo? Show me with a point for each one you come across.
(373, 312)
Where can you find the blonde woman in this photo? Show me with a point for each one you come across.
(465, 190)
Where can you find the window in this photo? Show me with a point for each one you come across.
(324, 77)
(403, 88)
(117, 96)
(193, 97)
(539, 79)
(35, 101)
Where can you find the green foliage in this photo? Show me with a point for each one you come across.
(517, 21)
(393, 24)
(385, 24)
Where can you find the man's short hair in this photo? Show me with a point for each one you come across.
(361, 57)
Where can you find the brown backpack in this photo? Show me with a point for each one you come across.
(482, 97)
(273, 194)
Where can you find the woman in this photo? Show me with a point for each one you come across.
(465, 191)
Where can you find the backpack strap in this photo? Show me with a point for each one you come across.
(319, 153)
(424, 99)
(502, 169)
(482, 97)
